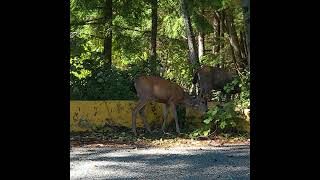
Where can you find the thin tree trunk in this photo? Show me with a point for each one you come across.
(222, 26)
(221, 17)
(216, 34)
(201, 44)
(107, 45)
(225, 28)
(246, 13)
(201, 38)
(234, 59)
(242, 45)
(234, 41)
(153, 53)
(245, 43)
(193, 53)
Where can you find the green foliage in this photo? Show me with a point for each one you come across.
(231, 86)
(112, 84)
(173, 26)
(211, 59)
(102, 84)
(202, 24)
(131, 26)
(224, 116)
(205, 131)
(243, 102)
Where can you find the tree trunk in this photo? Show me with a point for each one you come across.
(246, 13)
(107, 45)
(216, 34)
(153, 53)
(222, 27)
(242, 45)
(221, 17)
(201, 44)
(201, 38)
(234, 41)
(234, 59)
(193, 53)
(233, 38)
(245, 43)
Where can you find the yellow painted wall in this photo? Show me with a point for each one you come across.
(85, 115)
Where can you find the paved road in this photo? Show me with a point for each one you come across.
(229, 162)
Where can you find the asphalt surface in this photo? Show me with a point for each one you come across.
(228, 162)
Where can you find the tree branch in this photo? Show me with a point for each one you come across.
(91, 35)
(126, 28)
(94, 21)
(89, 21)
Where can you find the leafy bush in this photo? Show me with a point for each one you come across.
(243, 102)
(105, 84)
(225, 116)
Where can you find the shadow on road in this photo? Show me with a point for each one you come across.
(231, 162)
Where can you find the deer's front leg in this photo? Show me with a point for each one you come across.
(165, 109)
(175, 117)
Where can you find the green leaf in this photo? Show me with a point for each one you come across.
(207, 121)
(100, 80)
(233, 124)
(228, 116)
(206, 133)
(214, 112)
(223, 124)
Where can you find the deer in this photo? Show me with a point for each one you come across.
(157, 89)
(214, 78)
